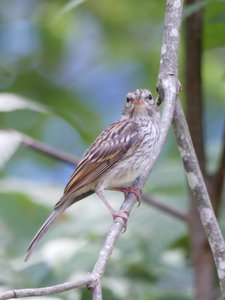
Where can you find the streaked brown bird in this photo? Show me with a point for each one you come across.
(114, 160)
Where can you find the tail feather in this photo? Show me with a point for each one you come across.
(44, 228)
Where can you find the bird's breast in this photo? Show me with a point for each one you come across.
(126, 170)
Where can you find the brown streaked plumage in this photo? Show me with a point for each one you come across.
(114, 160)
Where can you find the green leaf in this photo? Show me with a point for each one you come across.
(76, 111)
(10, 142)
(10, 102)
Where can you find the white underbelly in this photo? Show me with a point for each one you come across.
(124, 173)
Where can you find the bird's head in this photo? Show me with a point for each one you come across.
(140, 103)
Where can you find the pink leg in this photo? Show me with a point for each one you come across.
(115, 214)
(132, 189)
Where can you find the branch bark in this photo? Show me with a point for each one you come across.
(21, 293)
(200, 194)
(97, 292)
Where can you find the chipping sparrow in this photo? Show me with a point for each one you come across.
(114, 160)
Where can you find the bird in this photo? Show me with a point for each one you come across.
(114, 160)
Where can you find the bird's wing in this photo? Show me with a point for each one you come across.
(116, 142)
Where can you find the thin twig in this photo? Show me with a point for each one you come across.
(46, 149)
(175, 212)
(109, 244)
(21, 293)
(27, 141)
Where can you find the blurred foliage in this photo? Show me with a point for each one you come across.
(78, 59)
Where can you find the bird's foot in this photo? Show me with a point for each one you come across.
(131, 189)
(121, 214)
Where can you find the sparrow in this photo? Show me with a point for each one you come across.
(114, 160)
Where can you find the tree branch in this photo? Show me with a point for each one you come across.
(97, 292)
(150, 200)
(46, 149)
(200, 194)
(83, 281)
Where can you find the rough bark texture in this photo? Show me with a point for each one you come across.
(200, 194)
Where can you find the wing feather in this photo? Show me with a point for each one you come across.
(113, 144)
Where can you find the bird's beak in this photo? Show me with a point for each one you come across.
(138, 101)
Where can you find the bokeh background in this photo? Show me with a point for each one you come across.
(65, 70)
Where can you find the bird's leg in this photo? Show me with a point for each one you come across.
(115, 214)
(131, 189)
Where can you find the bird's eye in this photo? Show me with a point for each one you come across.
(128, 99)
(149, 97)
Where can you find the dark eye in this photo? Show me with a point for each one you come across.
(128, 99)
(149, 97)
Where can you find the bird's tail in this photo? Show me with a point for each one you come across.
(44, 228)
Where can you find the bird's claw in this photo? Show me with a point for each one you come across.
(132, 189)
(123, 215)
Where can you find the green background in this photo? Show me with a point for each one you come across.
(78, 60)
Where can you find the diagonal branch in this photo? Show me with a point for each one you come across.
(175, 212)
(46, 149)
(200, 194)
(40, 147)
